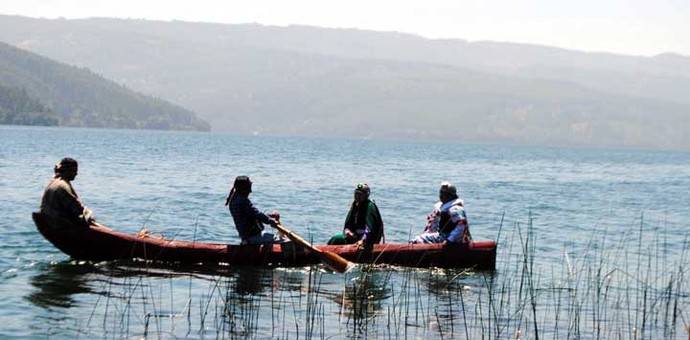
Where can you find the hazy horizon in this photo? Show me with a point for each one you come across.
(620, 27)
(358, 83)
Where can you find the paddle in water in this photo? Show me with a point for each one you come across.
(332, 260)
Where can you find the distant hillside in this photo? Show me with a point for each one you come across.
(79, 97)
(18, 108)
(315, 81)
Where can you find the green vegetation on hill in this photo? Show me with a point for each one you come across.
(78, 97)
(18, 108)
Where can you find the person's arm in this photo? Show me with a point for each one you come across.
(374, 223)
(256, 214)
(456, 234)
(71, 204)
(433, 219)
(432, 222)
(349, 222)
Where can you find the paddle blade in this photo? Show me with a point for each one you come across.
(336, 262)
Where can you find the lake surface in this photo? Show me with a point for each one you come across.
(616, 220)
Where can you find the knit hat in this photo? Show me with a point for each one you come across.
(363, 188)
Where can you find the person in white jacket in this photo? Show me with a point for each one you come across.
(447, 223)
(61, 200)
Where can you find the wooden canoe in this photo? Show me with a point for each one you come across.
(103, 244)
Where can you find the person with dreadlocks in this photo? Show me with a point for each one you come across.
(447, 223)
(363, 224)
(59, 198)
(249, 220)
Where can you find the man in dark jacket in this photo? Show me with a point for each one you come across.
(249, 220)
(60, 199)
(363, 224)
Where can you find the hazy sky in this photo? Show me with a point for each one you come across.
(644, 27)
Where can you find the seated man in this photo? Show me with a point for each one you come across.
(363, 224)
(59, 198)
(447, 223)
(249, 220)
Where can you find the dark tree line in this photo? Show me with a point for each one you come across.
(75, 96)
(17, 107)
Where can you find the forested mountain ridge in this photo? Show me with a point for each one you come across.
(300, 80)
(80, 97)
(18, 108)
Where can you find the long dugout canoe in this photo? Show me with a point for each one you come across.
(96, 243)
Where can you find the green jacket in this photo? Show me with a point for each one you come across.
(365, 222)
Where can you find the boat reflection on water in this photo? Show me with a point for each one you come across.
(448, 283)
(452, 293)
(248, 282)
(125, 299)
(363, 298)
(57, 284)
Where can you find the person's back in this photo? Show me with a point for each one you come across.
(245, 216)
(59, 197)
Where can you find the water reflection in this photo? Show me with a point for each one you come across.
(122, 300)
(363, 298)
(251, 281)
(265, 301)
(443, 282)
(56, 284)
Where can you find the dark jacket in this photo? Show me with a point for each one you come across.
(365, 222)
(247, 218)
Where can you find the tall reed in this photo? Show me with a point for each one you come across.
(615, 286)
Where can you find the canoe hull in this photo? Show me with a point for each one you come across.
(101, 244)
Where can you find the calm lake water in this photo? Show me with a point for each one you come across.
(612, 220)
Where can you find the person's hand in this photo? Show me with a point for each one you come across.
(348, 233)
(143, 233)
(88, 216)
(275, 215)
(360, 244)
(273, 222)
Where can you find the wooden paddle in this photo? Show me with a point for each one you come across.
(332, 260)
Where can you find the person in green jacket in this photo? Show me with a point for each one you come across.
(363, 225)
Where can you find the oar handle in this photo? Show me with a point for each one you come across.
(332, 260)
(296, 238)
